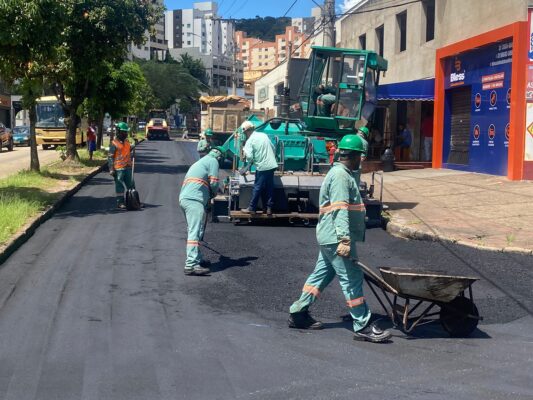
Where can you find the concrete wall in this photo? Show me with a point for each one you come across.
(455, 20)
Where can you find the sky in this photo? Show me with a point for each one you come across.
(251, 8)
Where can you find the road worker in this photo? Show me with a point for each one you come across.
(204, 144)
(119, 161)
(199, 187)
(364, 134)
(260, 151)
(341, 224)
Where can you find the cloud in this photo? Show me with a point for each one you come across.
(348, 4)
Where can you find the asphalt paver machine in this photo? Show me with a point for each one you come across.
(305, 142)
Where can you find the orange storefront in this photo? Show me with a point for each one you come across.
(481, 115)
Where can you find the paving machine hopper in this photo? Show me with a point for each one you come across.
(305, 142)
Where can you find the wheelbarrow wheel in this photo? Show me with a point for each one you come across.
(459, 317)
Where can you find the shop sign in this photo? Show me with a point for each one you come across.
(528, 155)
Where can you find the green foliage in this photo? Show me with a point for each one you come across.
(195, 67)
(263, 28)
(170, 82)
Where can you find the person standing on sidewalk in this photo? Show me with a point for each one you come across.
(427, 133)
(91, 140)
(119, 161)
(199, 187)
(260, 151)
(341, 224)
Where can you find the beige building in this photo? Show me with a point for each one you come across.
(408, 36)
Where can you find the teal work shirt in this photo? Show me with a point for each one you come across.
(260, 150)
(201, 181)
(203, 146)
(342, 212)
(325, 103)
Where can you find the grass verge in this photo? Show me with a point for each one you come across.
(26, 194)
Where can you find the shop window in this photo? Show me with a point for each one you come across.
(379, 39)
(429, 15)
(401, 21)
(362, 42)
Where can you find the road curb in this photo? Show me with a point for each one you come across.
(400, 230)
(15, 243)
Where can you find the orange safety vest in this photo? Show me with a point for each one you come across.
(122, 156)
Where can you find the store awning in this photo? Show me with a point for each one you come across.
(422, 89)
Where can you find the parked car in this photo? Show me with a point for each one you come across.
(6, 138)
(21, 135)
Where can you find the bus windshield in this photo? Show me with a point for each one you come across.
(50, 115)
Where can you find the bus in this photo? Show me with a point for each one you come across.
(50, 129)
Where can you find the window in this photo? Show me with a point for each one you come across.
(260, 56)
(188, 42)
(188, 25)
(283, 47)
(379, 39)
(401, 21)
(260, 64)
(429, 14)
(362, 42)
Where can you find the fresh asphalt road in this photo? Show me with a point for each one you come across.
(95, 306)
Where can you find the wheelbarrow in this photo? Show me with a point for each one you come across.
(410, 297)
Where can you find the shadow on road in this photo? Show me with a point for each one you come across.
(224, 263)
(84, 206)
(401, 205)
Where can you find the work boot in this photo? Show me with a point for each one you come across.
(269, 210)
(302, 320)
(188, 271)
(372, 333)
(199, 270)
(121, 206)
(248, 211)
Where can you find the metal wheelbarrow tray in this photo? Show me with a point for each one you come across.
(404, 290)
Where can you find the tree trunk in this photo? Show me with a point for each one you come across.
(34, 156)
(72, 152)
(100, 127)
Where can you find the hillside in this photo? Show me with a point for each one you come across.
(263, 28)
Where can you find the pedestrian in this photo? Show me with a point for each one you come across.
(204, 144)
(427, 133)
(403, 142)
(199, 187)
(341, 224)
(326, 101)
(91, 140)
(119, 161)
(259, 150)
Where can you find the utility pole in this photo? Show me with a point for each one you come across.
(234, 77)
(285, 100)
(328, 18)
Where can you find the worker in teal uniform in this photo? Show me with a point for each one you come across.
(326, 101)
(120, 163)
(204, 144)
(341, 224)
(364, 134)
(260, 151)
(199, 187)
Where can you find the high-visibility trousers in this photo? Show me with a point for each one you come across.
(350, 277)
(194, 211)
(123, 176)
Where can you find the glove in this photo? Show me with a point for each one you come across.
(243, 171)
(112, 173)
(343, 249)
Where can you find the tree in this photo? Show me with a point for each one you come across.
(120, 91)
(195, 67)
(169, 82)
(263, 28)
(29, 40)
(95, 33)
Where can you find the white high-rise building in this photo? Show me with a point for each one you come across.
(199, 27)
(155, 46)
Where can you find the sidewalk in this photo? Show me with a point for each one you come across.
(477, 210)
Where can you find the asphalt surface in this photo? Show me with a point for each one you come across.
(19, 159)
(95, 306)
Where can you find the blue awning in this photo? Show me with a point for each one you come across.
(422, 89)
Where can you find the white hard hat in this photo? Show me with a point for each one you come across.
(247, 125)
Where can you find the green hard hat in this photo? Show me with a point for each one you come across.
(353, 143)
(364, 130)
(122, 126)
(208, 132)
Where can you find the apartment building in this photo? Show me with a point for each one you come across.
(199, 27)
(465, 63)
(155, 46)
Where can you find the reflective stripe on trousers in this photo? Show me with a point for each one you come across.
(194, 212)
(350, 276)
